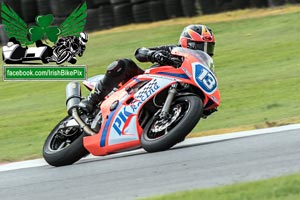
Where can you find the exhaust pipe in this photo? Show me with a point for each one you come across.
(73, 98)
(83, 125)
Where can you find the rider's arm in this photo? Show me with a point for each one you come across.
(167, 48)
(147, 54)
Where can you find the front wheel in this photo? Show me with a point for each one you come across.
(63, 57)
(162, 133)
(64, 145)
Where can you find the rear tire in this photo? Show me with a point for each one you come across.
(185, 114)
(62, 147)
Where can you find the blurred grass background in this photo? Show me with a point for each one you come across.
(257, 63)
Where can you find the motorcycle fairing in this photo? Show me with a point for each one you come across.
(189, 75)
(200, 65)
(120, 128)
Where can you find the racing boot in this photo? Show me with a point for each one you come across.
(112, 77)
(89, 104)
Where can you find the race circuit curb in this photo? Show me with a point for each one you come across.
(188, 142)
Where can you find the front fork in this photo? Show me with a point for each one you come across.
(167, 105)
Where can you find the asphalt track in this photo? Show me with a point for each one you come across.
(139, 174)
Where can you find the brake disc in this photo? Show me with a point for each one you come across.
(162, 124)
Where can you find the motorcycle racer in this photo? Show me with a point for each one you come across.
(77, 44)
(198, 37)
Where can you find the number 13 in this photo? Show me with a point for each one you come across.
(207, 79)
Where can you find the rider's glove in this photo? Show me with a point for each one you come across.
(161, 57)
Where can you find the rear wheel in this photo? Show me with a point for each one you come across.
(64, 145)
(162, 133)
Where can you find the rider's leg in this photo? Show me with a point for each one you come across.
(118, 71)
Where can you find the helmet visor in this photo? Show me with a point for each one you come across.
(207, 47)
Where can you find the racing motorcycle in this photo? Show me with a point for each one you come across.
(154, 110)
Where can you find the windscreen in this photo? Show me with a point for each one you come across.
(203, 57)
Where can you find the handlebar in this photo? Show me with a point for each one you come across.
(174, 61)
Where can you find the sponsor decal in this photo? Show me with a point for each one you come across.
(120, 120)
(147, 91)
(141, 97)
(186, 71)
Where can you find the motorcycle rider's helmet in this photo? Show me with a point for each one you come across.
(83, 38)
(198, 37)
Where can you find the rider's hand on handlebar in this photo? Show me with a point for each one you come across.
(162, 57)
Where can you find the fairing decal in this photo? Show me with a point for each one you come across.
(205, 79)
(105, 130)
(121, 125)
(184, 76)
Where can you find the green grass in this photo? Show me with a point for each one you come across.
(257, 63)
(281, 188)
(258, 66)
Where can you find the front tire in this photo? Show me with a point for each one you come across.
(64, 56)
(64, 145)
(161, 134)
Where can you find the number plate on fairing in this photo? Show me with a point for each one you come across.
(204, 78)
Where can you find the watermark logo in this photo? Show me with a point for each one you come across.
(43, 73)
(53, 43)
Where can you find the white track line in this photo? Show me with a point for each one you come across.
(235, 135)
(187, 142)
